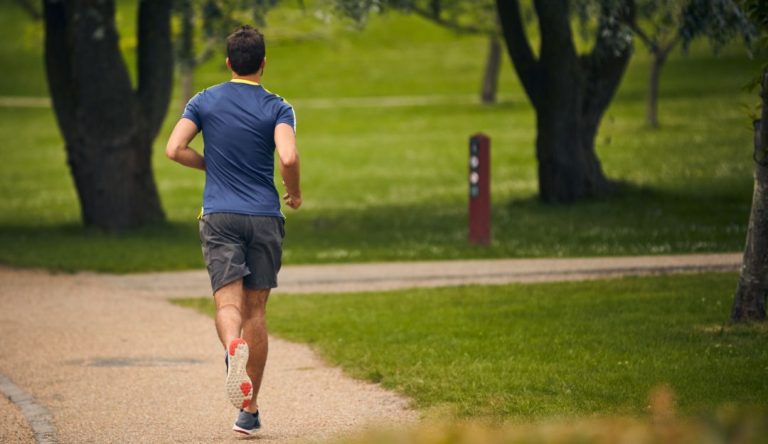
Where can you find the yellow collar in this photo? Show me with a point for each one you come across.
(247, 82)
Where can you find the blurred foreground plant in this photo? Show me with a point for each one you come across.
(662, 426)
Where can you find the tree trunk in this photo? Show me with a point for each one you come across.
(491, 74)
(114, 181)
(651, 108)
(750, 298)
(569, 92)
(107, 127)
(569, 169)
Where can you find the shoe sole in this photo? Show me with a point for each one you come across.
(238, 385)
(244, 431)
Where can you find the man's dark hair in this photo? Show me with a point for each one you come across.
(245, 49)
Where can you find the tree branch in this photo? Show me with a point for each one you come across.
(650, 43)
(29, 7)
(58, 66)
(660, 49)
(449, 24)
(101, 80)
(155, 60)
(606, 64)
(208, 51)
(666, 49)
(519, 48)
(555, 30)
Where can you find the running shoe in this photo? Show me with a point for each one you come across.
(238, 385)
(247, 423)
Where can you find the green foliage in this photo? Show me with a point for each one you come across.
(532, 351)
(202, 25)
(463, 16)
(757, 11)
(605, 20)
(719, 20)
(388, 181)
(358, 10)
(228, 14)
(658, 22)
(663, 14)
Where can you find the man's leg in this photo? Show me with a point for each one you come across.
(255, 334)
(230, 308)
(229, 311)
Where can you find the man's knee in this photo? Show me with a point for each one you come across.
(226, 308)
(230, 295)
(256, 302)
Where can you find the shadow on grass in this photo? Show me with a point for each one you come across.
(72, 247)
(639, 221)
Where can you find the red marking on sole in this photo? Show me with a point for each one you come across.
(246, 403)
(233, 345)
(246, 388)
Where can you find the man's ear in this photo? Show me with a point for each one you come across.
(229, 65)
(263, 64)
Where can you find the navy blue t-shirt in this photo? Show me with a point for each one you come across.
(238, 122)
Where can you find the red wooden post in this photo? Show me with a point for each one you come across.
(480, 189)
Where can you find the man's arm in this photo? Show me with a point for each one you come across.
(285, 142)
(178, 148)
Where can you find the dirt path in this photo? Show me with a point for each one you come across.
(113, 361)
(112, 365)
(13, 427)
(398, 275)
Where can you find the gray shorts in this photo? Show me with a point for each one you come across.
(241, 246)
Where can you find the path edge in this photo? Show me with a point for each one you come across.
(38, 417)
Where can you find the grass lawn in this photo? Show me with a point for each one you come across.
(531, 351)
(389, 183)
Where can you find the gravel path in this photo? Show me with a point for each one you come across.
(112, 365)
(397, 275)
(13, 426)
(113, 361)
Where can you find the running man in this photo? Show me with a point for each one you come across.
(241, 225)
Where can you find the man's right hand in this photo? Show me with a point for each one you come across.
(292, 200)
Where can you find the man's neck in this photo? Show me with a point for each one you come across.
(255, 78)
